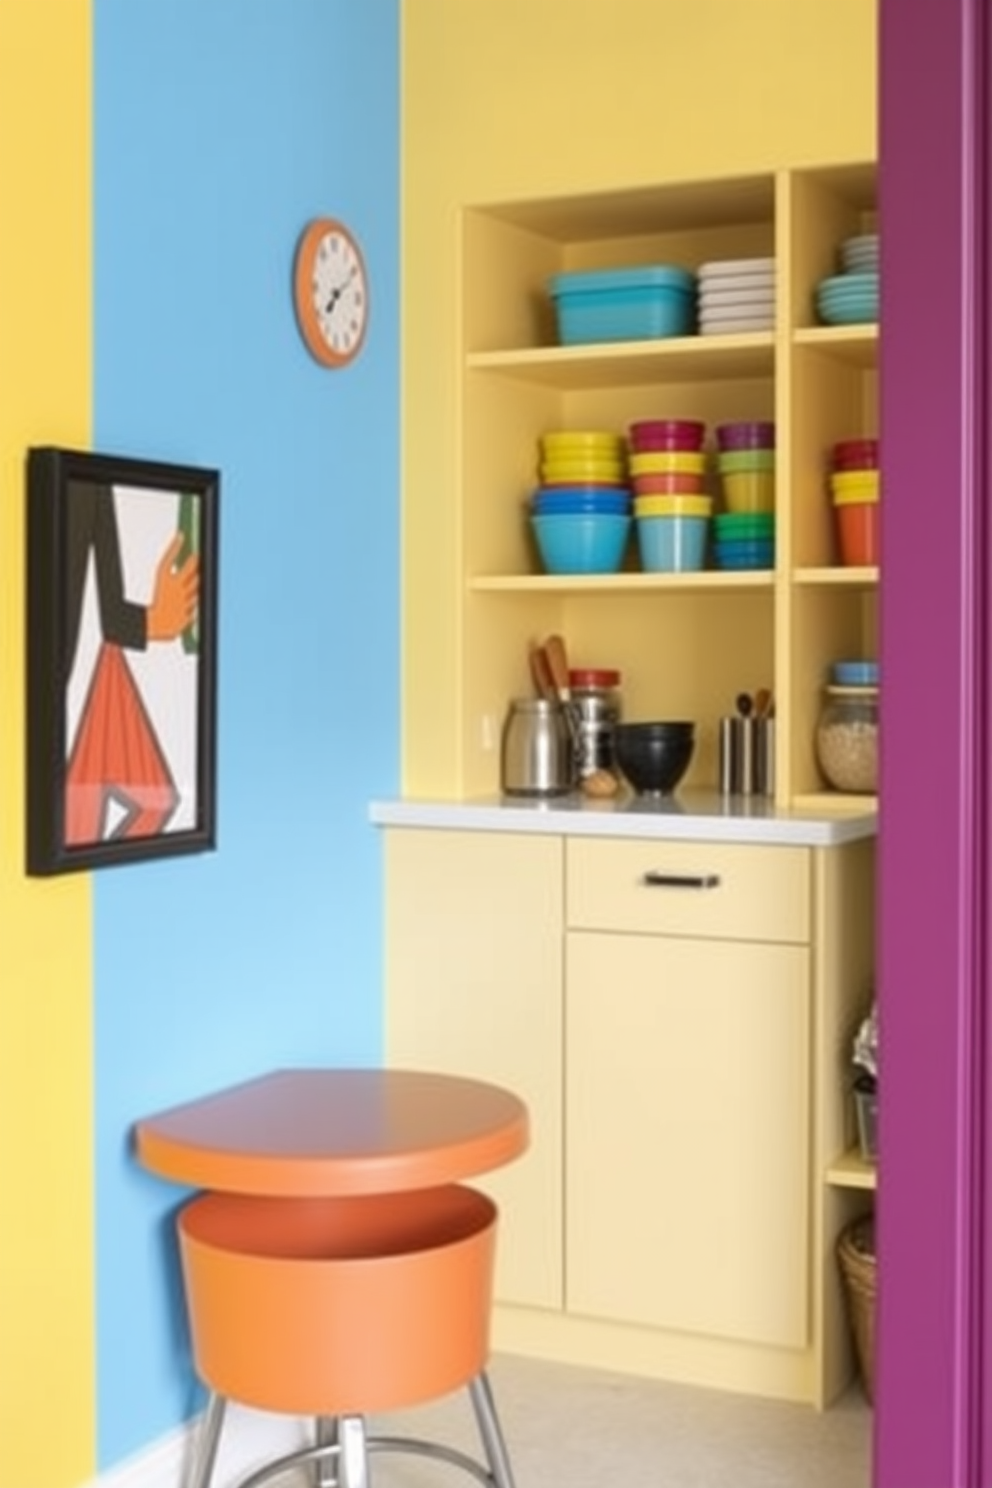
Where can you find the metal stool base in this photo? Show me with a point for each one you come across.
(340, 1455)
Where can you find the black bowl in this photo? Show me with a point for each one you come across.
(654, 756)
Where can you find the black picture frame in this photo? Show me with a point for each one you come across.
(121, 659)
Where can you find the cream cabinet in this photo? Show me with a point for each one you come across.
(688, 1106)
(474, 958)
(686, 644)
(677, 1016)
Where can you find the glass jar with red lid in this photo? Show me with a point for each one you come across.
(596, 698)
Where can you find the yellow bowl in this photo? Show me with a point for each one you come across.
(672, 506)
(855, 480)
(660, 461)
(748, 490)
(581, 471)
(855, 498)
(581, 442)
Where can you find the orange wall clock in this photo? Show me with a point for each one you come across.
(331, 292)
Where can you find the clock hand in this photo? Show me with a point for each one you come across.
(337, 292)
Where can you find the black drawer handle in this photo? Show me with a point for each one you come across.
(655, 880)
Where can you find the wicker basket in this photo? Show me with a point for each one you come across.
(856, 1254)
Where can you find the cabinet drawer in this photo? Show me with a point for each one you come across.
(733, 891)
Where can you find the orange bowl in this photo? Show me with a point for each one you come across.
(858, 533)
(669, 483)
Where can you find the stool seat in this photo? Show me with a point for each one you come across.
(333, 1306)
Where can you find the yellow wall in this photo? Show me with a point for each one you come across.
(510, 99)
(46, 1174)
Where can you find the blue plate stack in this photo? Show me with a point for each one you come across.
(851, 297)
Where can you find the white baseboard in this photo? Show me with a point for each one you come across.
(249, 1439)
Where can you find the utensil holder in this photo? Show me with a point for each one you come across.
(747, 756)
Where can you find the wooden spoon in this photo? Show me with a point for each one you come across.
(541, 673)
(557, 659)
(762, 702)
(554, 650)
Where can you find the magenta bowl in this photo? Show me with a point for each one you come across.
(666, 434)
(746, 435)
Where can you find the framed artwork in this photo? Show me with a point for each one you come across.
(121, 659)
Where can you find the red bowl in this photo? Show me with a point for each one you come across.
(852, 464)
(855, 454)
(667, 434)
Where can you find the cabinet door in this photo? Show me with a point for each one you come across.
(688, 1132)
(474, 987)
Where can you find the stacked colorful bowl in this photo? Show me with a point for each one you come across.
(855, 488)
(744, 540)
(580, 513)
(736, 295)
(671, 508)
(746, 465)
(851, 297)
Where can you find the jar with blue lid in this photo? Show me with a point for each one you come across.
(847, 728)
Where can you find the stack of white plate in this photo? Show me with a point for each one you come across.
(736, 295)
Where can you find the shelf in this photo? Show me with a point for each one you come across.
(837, 577)
(834, 803)
(852, 1171)
(622, 583)
(855, 344)
(619, 363)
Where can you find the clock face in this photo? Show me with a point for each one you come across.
(331, 291)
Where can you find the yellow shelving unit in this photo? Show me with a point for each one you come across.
(686, 644)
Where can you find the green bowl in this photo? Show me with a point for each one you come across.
(735, 525)
(730, 461)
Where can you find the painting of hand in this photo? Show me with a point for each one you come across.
(175, 595)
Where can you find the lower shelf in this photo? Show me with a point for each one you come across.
(851, 1170)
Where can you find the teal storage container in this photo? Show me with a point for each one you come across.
(637, 304)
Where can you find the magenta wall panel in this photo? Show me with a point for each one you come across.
(933, 974)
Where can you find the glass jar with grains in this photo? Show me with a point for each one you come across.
(847, 739)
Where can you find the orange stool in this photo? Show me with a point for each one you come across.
(337, 1307)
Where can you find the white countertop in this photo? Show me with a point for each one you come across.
(690, 816)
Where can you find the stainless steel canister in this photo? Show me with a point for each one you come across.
(536, 755)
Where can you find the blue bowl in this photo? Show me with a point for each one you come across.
(846, 284)
(744, 553)
(615, 500)
(675, 544)
(850, 314)
(581, 542)
(741, 561)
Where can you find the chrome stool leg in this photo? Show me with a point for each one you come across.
(325, 1470)
(484, 1406)
(207, 1438)
(353, 1459)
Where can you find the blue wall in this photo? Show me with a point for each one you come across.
(221, 126)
